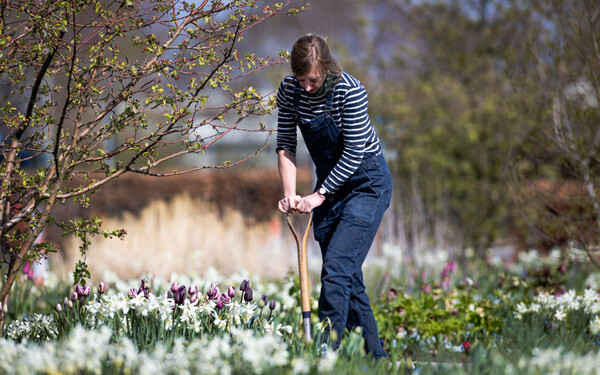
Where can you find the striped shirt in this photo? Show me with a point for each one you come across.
(349, 113)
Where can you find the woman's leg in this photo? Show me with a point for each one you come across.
(339, 255)
(361, 315)
(359, 308)
(343, 297)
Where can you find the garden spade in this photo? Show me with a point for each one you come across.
(303, 272)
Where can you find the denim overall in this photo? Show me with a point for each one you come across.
(345, 226)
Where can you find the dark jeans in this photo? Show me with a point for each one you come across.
(345, 226)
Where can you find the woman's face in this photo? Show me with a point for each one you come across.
(312, 81)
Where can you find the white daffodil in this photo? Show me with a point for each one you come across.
(220, 323)
(595, 326)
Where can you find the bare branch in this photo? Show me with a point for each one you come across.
(146, 171)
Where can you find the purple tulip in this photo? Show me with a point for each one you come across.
(193, 298)
(272, 306)
(219, 301)
(133, 293)
(231, 291)
(263, 301)
(79, 290)
(225, 298)
(193, 289)
(101, 288)
(86, 291)
(174, 287)
(74, 296)
(248, 294)
(144, 287)
(180, 295)
(213, 291)
(243, 286)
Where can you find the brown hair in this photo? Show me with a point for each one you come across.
(309, 51)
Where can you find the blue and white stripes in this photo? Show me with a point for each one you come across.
(349, 112)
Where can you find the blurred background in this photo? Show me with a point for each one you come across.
(488, 112)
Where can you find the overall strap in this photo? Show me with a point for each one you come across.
(329, 101)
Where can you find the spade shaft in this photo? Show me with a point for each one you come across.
(303, 273)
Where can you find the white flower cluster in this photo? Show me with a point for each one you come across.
(556, 361)
(109, 305)
(427, 343)
(532, 259)
(36, 326)
(559, 306)
(593, 280)
(193, 315)
(91, 351)
(115, 305)
(279, 292)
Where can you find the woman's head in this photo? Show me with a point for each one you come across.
(311, 60)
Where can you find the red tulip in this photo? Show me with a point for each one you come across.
(467, 346)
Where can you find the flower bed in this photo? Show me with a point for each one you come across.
(489, 317)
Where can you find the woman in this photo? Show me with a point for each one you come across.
(353, 187)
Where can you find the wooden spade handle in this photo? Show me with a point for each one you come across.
(303, 272)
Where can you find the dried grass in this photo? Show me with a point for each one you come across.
(185, 236)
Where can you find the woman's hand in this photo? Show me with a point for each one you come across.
(289, 204)
(310, 202)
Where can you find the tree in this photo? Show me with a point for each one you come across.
(97, 89)
(559, 143)
(442, 105)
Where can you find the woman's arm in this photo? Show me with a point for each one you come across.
(287, 171)
(286, 162)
